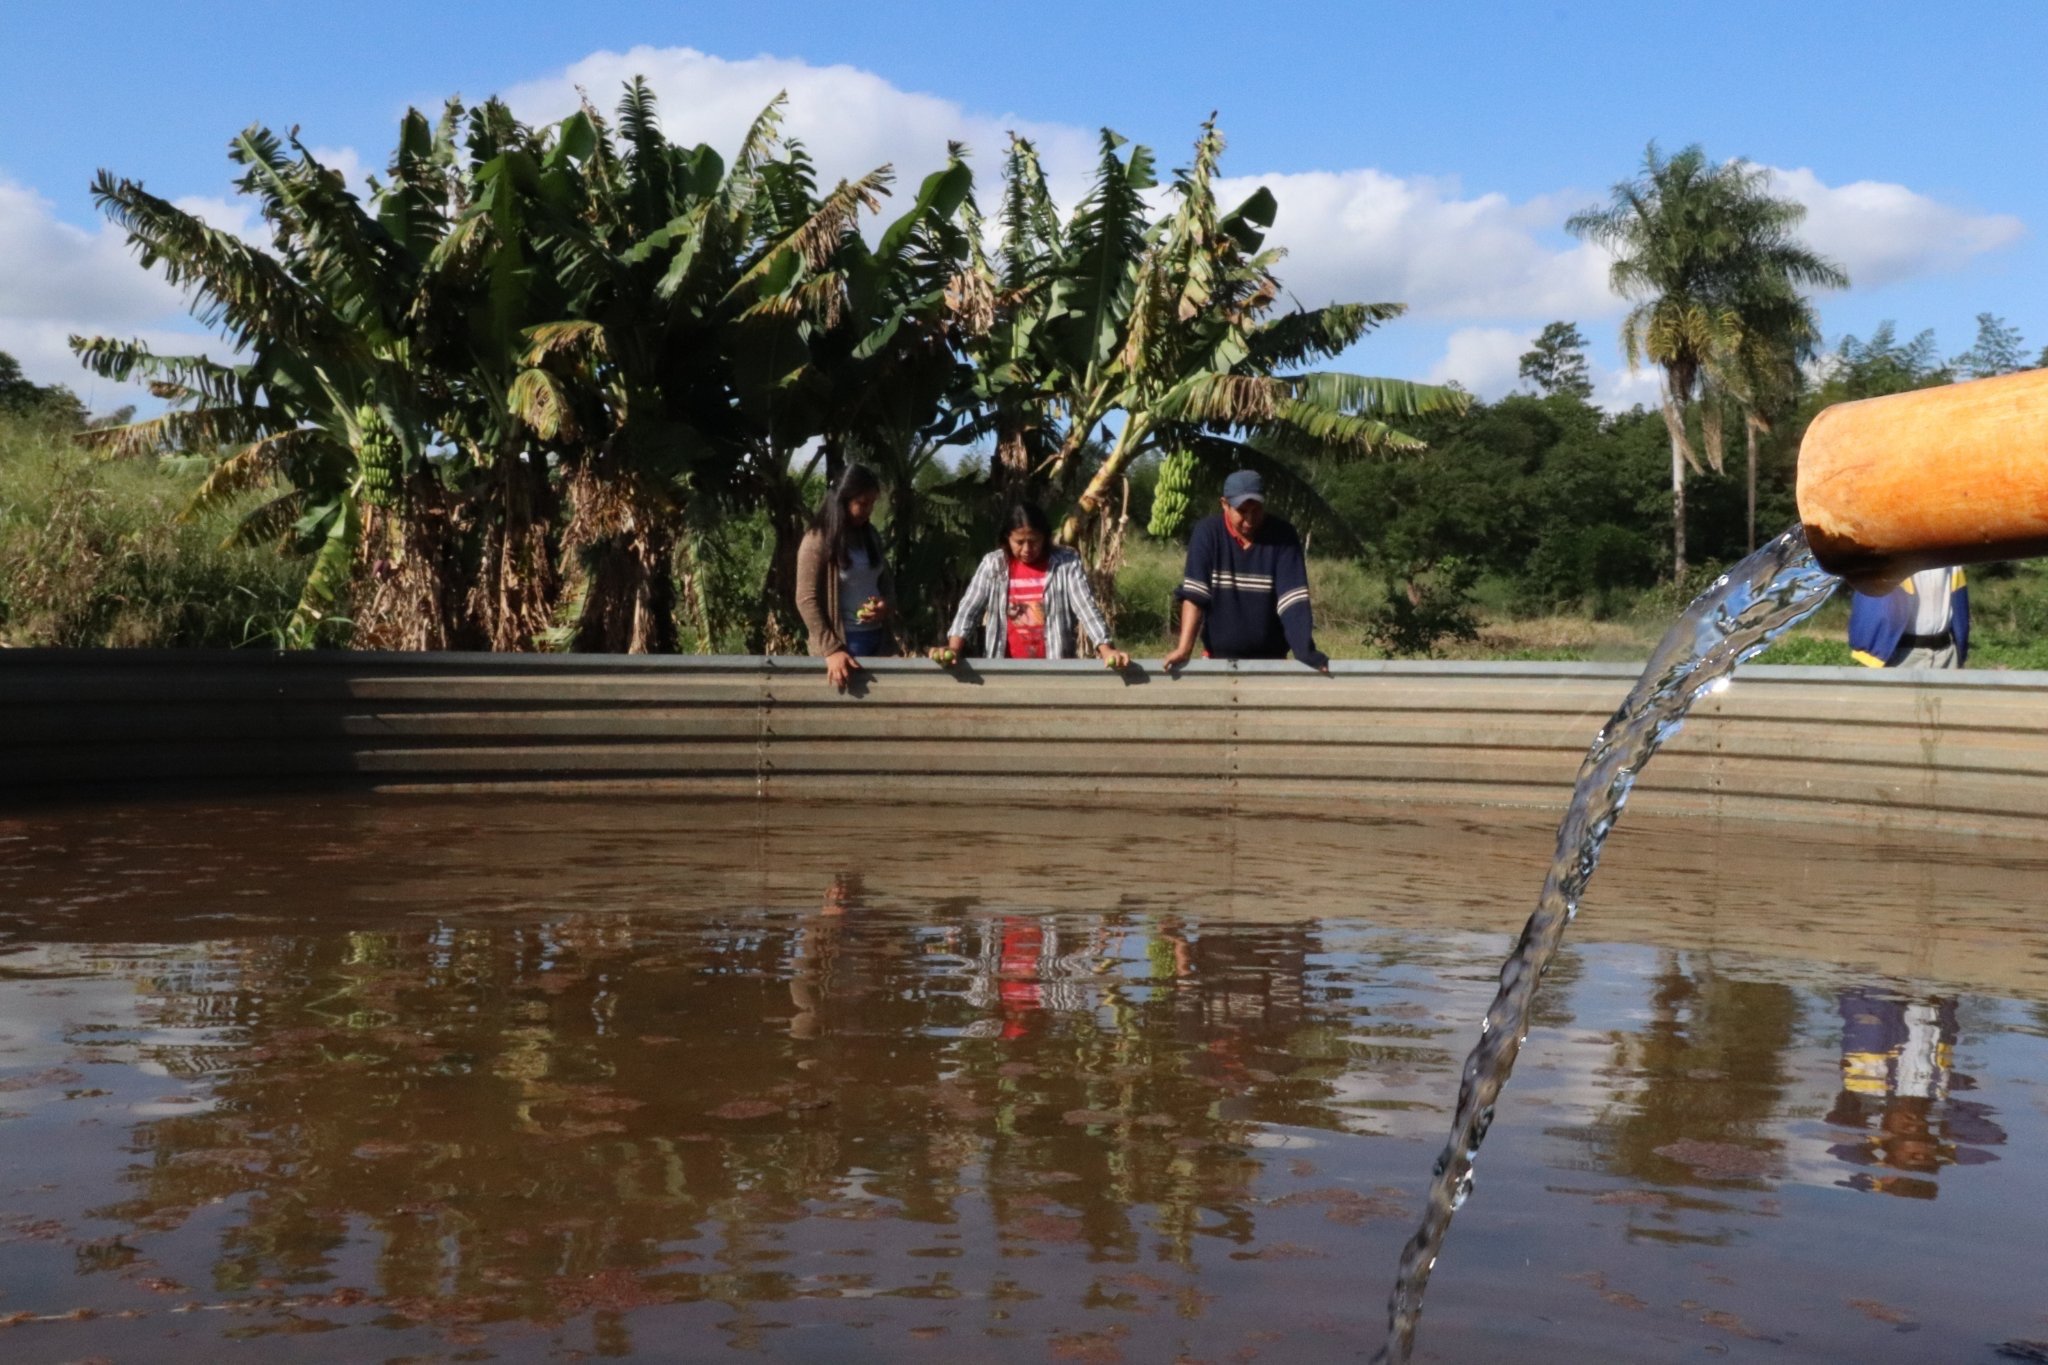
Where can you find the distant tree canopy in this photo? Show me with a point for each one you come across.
(1997, 350)
(23, 397)
(1556, 364)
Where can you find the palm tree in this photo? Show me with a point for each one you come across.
(1764, 374)
(1696, 242)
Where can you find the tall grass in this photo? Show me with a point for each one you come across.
(92, 554)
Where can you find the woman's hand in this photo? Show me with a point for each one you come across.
(872, 612)
(1111, 658)
(840, 668)
(945, 656)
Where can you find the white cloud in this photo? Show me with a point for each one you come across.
(1882, 233)
(850, 120)
(1619, 388)
(1367, 235)
(52, 269)
(1355, 233)
(57, 279)
(1485, 360)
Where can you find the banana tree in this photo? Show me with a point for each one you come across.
(1184, 347)
(883, 377)
(325, 404)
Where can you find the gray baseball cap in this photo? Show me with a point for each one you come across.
(1242, 487)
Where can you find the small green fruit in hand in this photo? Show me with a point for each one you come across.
(945, 658)
(871, 611)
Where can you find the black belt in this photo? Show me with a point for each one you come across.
(1941, 641)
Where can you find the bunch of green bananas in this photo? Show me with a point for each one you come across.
(380, 455)
(1172, 501)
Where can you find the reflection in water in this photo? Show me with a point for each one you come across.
(672, 1090)
(1708, 1065)
(1898, 1072)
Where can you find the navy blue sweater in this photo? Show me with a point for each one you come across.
(1254, 600)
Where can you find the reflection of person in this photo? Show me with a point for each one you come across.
(1898, 1061)
(1028, 596)
(843, 589)
(836, 957)
(1922, 623)
(1017, 968)
(1245, 589)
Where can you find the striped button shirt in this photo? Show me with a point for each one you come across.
(1068, 601)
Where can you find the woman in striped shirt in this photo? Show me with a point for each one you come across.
(1028, 596)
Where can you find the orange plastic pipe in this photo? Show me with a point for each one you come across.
(1953, 475)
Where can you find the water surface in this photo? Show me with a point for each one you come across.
(524, 1078)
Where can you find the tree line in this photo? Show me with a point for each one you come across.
(550, 385)
(578, 386)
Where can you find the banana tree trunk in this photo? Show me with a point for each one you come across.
(406, 571)
(622, 539)
(1095, 497)
(517, 587)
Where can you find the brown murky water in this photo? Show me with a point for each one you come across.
(397, 1078)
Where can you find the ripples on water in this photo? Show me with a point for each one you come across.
(453, 1079)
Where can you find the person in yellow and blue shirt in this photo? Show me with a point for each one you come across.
(1922, 623)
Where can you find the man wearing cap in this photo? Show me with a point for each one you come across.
(1245, 590)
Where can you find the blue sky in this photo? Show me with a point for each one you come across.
(1427, 153)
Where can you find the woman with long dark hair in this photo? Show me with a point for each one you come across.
(1028, 596)
(843, 589)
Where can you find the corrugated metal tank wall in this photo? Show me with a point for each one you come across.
(1962, 751)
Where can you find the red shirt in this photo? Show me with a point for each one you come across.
(1024, 619)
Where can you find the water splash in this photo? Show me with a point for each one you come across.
(1746, 608)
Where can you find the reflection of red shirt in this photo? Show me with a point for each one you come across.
(1022, 941)
(1024, 621)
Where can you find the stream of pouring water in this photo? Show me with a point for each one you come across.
(1763, 596)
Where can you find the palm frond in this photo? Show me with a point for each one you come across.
(538, 400)
(1382, 397)
(185, 430)
(245, 292)
(195, 375)
(268, 523)
(251, 467)
(812, 243)
(575, 338)
(1315, 333)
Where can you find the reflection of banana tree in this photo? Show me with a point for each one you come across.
(516, 1112)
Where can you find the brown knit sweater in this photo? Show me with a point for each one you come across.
(817, 594)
